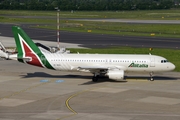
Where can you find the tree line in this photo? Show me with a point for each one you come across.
(89, 5)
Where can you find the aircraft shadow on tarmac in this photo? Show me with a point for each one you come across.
(101, 79)
(46, 75)
(132, 78)
(148, 78)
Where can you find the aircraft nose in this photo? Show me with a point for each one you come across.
(172, 66)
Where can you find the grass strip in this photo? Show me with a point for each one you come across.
(172, 14)
(159, 30)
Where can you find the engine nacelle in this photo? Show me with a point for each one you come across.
(115, 74)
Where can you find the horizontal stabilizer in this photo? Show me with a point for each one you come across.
(27, 59)
(3, 54)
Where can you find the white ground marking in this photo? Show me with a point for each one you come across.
(13, 102)
(7, 78)
(5, 119)
(109, 90)
(90, 116)
(50, 115)
(160, 100)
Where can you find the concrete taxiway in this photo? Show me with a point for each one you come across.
(32, 93)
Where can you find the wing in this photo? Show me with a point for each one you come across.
(93, 69)
(99, 69)
(27, 59)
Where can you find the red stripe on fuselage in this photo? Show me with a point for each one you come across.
(29, 53)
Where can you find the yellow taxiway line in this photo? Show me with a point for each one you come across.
(69, 107)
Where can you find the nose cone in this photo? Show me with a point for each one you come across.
(172, 66)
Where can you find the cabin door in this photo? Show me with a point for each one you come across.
(152, 62)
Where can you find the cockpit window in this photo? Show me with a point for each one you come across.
(164, 61)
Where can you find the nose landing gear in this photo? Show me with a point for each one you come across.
(151, 76)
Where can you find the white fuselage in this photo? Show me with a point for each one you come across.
(125, 62)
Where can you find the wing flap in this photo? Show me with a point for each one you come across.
(99, 69)
(93, 67)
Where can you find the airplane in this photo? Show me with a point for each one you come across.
(114, 66)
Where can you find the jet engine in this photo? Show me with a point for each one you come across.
(115, 74)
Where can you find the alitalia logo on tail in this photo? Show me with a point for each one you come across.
(28, 52)
(138, 65)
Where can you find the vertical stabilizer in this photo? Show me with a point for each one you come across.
(28, 52)
(23, 42)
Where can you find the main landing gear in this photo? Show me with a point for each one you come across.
(95, 78)
(151, 76)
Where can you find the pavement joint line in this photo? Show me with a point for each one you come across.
(142, 80)
(72, 96)
(24, 90)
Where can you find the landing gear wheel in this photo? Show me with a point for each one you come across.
(151, 78)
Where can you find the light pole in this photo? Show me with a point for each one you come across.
(58, 28)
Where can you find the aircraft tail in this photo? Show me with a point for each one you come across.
(28, 52)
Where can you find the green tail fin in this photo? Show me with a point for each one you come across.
(22, 39)
(28, 52)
